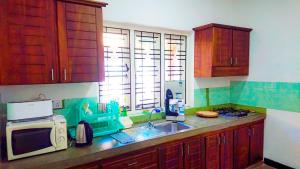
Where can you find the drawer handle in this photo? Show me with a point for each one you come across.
(65, 74)
(131, 164)
(52, 74)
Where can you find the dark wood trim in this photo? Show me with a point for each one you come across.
(87, 2)
(221, 26)
(62, 42)
(99, 25)
(276, 164)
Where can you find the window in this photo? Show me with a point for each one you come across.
(175, 64)
(117, 84)
(147, 68)
(139, 69)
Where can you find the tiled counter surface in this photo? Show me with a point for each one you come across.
(105, 147)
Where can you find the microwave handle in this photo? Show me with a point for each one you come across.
(52, 137)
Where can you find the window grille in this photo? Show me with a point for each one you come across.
(175, 63)
(117, 84)
(147, 54)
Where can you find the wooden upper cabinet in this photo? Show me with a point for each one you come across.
(222, 47)
(80, 34)
(221, 50)
(28, 42)
(240, 50)
(194, 150)
(171, 156)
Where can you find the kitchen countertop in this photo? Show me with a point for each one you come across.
(105, 147)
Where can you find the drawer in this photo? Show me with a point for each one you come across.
(146, 159)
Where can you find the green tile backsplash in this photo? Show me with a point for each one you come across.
(273, 95)
(211, 96)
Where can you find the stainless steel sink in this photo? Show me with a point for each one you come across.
(172, 127)
(158, 130)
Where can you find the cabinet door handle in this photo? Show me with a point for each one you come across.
(65, 74)
(231, 61)
(188, 149)
(182, 151)
(133, 163)
(252, 131)
(236, 60)
(224, 139)
(219, 140)
(249, 132)
(52, 74)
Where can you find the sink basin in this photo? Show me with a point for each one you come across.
(172, 127)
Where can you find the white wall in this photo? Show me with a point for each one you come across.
(282, 137)
(275, 57)
(275, 39)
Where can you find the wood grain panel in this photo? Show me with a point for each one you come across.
(79, 35)
(29, 34)
(222, 47)
(84, 44)
(257, 143)
(241, 147)
(139, 160)
(80, 43)
(226, 153)
(80, 9)
(82, 52)
(241, 48)
(212, 151)
(171, 156)
(80, 26)
(194, 153)
(79, 17)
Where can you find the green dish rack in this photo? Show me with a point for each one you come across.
(103, 123)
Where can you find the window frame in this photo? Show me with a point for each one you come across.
(134, 27)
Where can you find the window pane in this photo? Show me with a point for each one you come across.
(117, 67)
(147, 66)
(175, 64)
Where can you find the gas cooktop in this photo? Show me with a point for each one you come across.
(233, 113)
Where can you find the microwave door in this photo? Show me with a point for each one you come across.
(30, 140)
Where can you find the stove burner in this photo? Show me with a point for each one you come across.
(230, 112)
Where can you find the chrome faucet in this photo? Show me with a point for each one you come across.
(150, 123)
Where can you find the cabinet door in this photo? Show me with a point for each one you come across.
(81, 51)
(213, 151)
(171, 156)
(240, 48)
(222, 48)
(241, 147)
(144, 159)
(226, 154)
(194, 154)
(28, 47)
(256, 143)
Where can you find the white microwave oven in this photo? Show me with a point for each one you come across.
(31, 138)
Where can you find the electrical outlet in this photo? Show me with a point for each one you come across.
(57, 104)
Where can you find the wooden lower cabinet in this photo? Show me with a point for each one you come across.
(171, 155)
(146, 159)
(194, 149)
(248, 145)
(219, 150)
(232, 148)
